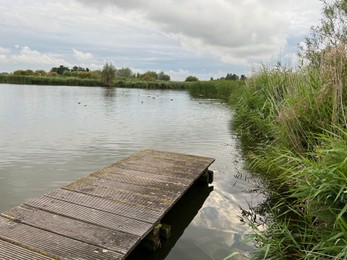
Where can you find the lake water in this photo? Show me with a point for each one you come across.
(52, 135)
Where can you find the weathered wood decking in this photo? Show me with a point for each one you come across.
(103, 215)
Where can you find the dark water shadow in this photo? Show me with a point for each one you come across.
(179, 217)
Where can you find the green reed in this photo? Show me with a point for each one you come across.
(295, 123)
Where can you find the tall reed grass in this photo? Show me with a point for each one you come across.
(135, 83)
(36, 80)
(221, 89)
(74, 81)
(296, 123)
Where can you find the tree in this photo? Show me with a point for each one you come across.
(77, 68)
(60, 70)
(191, 78)
(19, 72)
(53, 74)
(230, 76)
(163, 76)
(326, 51)
(67, 73)
(23, 72)
(108, 74)
(40, 73)
(149, 76)
(330, 34)
(124, 73)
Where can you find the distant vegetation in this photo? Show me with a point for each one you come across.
(78, 76)
(108, 73)
(191, 78)
(48, 80)
(110, 76)
(221, 89)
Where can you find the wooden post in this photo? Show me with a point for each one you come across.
(152, 241)
(206, 177)
(165, 231)
(210, 176)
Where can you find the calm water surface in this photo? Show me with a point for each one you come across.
(51, 135)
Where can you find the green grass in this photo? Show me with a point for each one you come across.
(136, 83)
(309, 217)
(74, 81)
(220, 89)
(35, 80)
(295, 124)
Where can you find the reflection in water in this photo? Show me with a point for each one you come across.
(179, 217)
(52, 135)
(109, 93)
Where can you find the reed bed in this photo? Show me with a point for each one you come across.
(294, 123)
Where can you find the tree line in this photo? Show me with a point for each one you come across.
(109, 73)
(229, 76)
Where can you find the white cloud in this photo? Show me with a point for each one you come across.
(25, 57)
(28, 56)
(82, 56)
(236, 32)
(4, 50)
(195, 35)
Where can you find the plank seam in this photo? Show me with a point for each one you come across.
(53, 232)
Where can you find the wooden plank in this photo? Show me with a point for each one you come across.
(123, 209)
(51, 244)
(159, 169)
(92, 216)
(103, 215)
(10, 251)
(78, 230)
(162, 163)
(181, 166)
(186, 166)
(181, 159)
(151, 202)
(113, 171)
(153, 182)
(126, 187)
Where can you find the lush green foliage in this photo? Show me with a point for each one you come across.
(152, 76)
(221, 89)
(60, 70)
(108, 74)
(37, 80)
(157, 84)
(191, 78)
(296, 122)
(301, 153)
(124, 73)
(74, 81)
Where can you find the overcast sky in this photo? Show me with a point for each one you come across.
(205, 38)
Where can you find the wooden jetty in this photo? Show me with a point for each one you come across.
(104, 215)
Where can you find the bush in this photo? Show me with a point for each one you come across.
(220, 89)
(108, 74)
(191, 79)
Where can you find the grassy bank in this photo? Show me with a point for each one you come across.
(135, 83)
(296, 124)
(221, 89)
(74, 81)
(36, 80)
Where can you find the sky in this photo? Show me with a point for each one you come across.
(204, 38)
